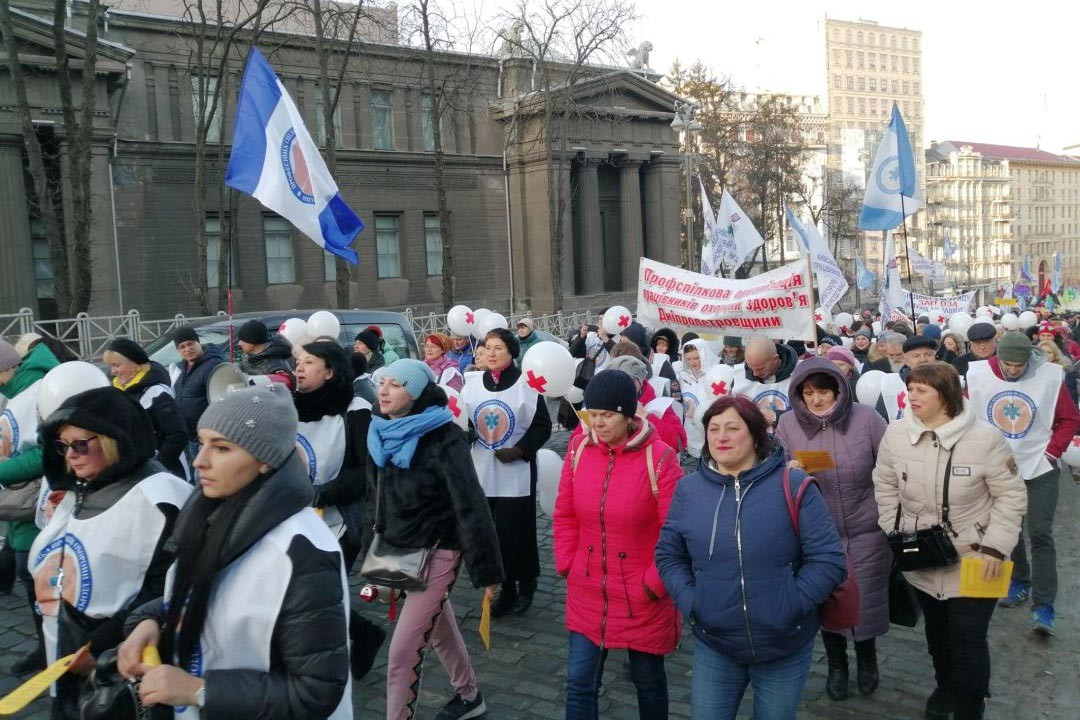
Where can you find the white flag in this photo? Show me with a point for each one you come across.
(829, 278)
(737, 236)
(892, 296)
(710, 248)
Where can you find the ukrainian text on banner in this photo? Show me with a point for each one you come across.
(777, 304)
(940, 309)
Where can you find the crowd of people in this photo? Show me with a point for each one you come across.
(222, 529)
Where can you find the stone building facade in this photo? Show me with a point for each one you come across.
(620, 165)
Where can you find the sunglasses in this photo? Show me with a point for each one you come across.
(79, 447)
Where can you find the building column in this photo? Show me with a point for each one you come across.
(17, 287)
(592, 244)
(568, 259)
(633, 240)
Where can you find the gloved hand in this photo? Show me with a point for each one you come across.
(509, 454)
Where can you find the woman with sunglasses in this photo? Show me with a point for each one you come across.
(102, 553)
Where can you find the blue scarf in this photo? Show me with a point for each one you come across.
(396, 440)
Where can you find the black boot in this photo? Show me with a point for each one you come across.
(968, 706)
(938, 705)
(525, 596)
(33, 661)
(836, 685)
(504, 601)
(866, 662)
(366, 638)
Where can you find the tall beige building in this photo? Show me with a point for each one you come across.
(999, 205)
(869, 67)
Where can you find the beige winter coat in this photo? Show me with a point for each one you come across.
(987, 496)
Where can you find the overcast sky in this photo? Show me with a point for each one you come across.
(992, 71)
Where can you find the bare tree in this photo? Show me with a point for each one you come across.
(74, 280)
(564, 39)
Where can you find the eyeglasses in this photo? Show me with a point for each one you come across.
(79, 447)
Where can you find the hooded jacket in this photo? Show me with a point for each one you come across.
(1066, 415)
(190, 387)
(987, 496)
(307, 651)
(672, 343)
(730, 559)
(789, 358)
(153, 393)
(606, 523)
(276, 359)
(850, 434)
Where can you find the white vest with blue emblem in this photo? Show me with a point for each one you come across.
(894, 395)
(1023, 411)
(322, 446)
(105, 557)
(500, 420)
(695, 431)
(246, 601)
(19, 423)
(767, 396)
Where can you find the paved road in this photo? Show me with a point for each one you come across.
(522, 676)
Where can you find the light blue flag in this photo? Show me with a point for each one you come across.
(864, 276)
(892, 188)
(1025, 271)
(950, 248)
(830, 280)
(1055, 281)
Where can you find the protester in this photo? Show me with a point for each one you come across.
(421, 472)
(511, 423)
(363, 385)
(767, 377)
(697, 359)
(265, 355)
(861, 342)
(527, 336)
(387, 350)
(893, 402)
(196, 364)
(846, 361)
(942, 447)
(892, 349)
(436, 346)
(21, 462)
(1025, 398)
(660, 411)
(664, 381)
(367, 343)
(665, 349)
(732, 562)
(1056, 356)
(954, 343)
(824, 418)
(112, 509)
(147, 382)
(616, 486)
(252, 622)
(461, 352)
(733, 353)
(982, 340)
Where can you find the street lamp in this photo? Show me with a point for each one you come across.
(685, 123)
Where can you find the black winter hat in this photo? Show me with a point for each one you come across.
(636, 334)
(510, 340)
(612, 390)
(916, 342)
(254, 332)
(981, 331)
(184, 334)
(369, 337)
(129, 349)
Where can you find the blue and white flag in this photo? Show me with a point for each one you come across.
(829, 278)
(926, 266)
(892, 295)
(864, 277)
(711, 251)
(892, 188)
(1025, 271)
(950, 248)
(274, 160)
(736, 236)
(1055, 282)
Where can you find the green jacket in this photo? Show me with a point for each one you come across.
(27, 465)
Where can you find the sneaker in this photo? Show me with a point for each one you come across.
(1042, 619)
(1018, 593)
(458, 709)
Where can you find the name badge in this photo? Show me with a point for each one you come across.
(961, 471)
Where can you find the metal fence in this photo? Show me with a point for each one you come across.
(87, 336)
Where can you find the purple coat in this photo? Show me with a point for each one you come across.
(851, 434)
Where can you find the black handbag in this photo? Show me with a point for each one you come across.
(927, 547)
(904, 608)
(107, 695)
(391, 566)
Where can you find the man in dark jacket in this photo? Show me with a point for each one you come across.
(264, 355)
(196, 364)
(367, 343)
(982, 339)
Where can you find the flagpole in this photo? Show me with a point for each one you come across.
(907, 254)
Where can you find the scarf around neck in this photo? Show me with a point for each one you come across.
(396, 440)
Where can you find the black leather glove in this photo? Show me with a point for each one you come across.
(509, 454)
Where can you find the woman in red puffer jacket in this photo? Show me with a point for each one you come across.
(616, 486)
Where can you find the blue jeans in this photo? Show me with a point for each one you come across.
(585, 671)
(719, 682)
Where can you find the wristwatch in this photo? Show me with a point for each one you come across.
(200, 696)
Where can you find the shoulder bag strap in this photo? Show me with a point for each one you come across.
(793, 514)
(378, 497)
(945, 496)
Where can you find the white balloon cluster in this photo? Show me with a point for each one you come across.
(616, 319)
(65, 381)
(321, 325)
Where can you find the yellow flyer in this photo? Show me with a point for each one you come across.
(485, 622)
(972, 583)
(815, 460)
(26, 693)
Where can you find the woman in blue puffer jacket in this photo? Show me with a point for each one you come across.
(746, 583)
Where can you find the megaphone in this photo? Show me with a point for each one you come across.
(227, 378)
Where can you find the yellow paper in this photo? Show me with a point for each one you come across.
(485, 622)
(815, 460)
(26, 693)
(583, 416)
(972, 583)
(150, 656)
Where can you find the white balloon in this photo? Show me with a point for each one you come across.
(294, 329)
(479, 316)
(1072, 453)
(324, 324)
(960, 322)
(460, 320)
(823, 317)
(717, 383)
(868, 389)
(1028, 319)
(67, 380)
(575, 395)
(616, 319)
(492, 321)
(985, 320)
(548, 471)
(876, 326)
(1009, 321)
(549, 368)
(843, 321)
(984, 311)
(848, 342)
(299, 343)
(456, 405)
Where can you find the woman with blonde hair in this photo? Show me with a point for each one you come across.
(1055, 355)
